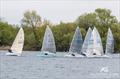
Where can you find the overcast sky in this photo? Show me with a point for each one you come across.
(54, 10)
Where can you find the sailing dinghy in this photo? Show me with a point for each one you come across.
(95, 48)
(17, 46)
(110, 43)
(76, 45)
(86, 41)
(48, 46)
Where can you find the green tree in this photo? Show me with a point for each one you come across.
(32, 19)
(102, 19)
(7, 33)
(34, 29)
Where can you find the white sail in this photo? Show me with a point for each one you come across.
(95, 47)
(110, 42)
(86, 40)
(18, 43)
(77, 42)
(48, 41)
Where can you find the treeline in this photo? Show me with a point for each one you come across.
(34, 29)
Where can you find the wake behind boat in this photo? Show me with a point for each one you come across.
(17, 46)
(48, 46)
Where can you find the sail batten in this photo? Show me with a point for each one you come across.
(77, 42)
(48, 41)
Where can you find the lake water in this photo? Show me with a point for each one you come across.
(30, 66)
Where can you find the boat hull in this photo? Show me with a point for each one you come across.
(47, 54)
(75, 55)
(13, 54)
(97, 56)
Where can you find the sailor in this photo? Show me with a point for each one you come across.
(73, 54)
(94, 53)
(46, 53)
(83, 54)
(10, 51)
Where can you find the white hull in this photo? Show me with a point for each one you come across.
(13, 54)
(76, 55)
(97, 56)
(47, 54)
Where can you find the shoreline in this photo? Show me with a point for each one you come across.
(5, 48)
